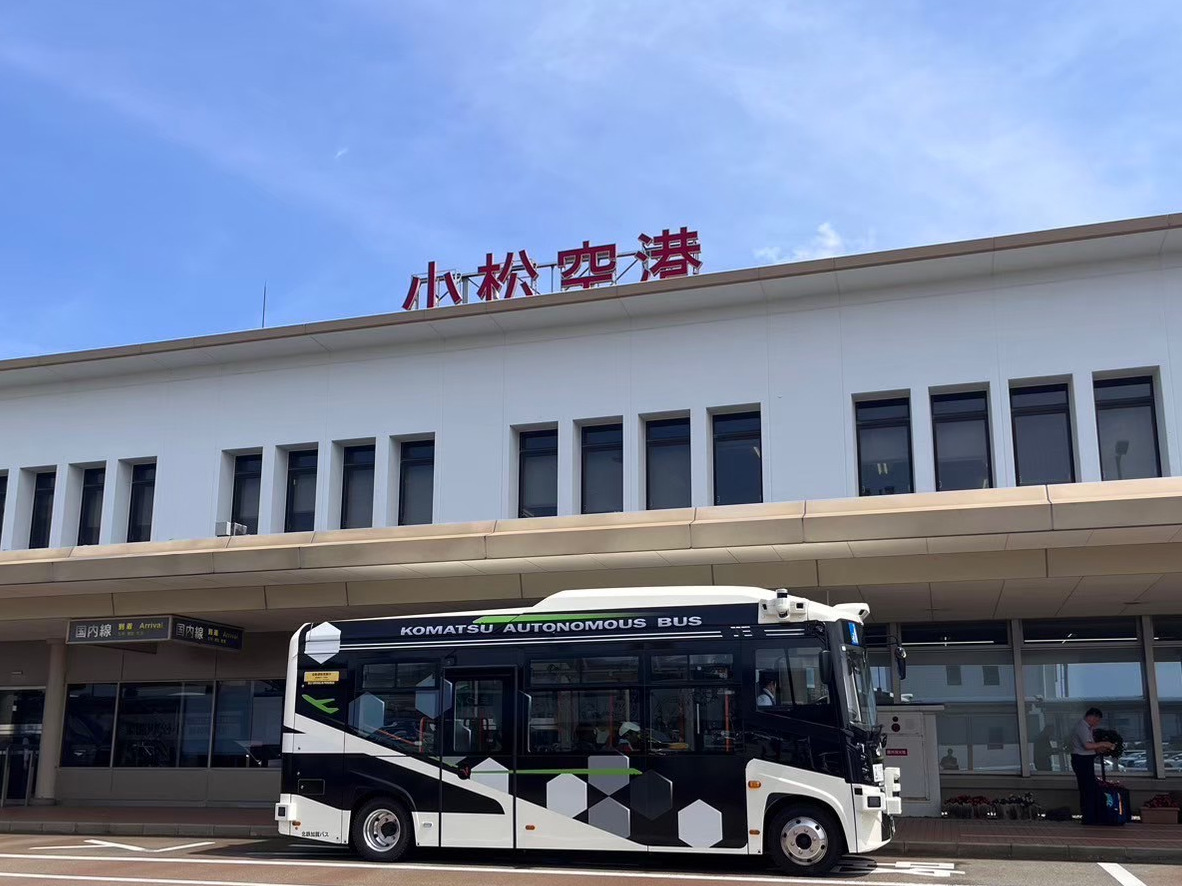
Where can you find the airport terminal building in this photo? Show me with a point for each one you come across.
(981, 440)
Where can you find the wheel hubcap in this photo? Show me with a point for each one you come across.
(804, 840)
(381, 830)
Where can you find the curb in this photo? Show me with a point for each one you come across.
(149, 829)
(1035, 852)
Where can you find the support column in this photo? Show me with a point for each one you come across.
(51, 724)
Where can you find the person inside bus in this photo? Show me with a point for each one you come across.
(769, 691)
(630, 738)
(585, 738)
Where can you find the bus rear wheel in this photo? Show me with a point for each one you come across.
(381, 830)
(805, 840)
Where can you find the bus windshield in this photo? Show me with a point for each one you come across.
(859, 688)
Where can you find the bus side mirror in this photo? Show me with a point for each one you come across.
(901, 662)
(825, 665)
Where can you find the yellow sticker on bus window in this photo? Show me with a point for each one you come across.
(322, 676)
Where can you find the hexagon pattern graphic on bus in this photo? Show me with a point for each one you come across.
(566, 794)
(699, 825)
(491, 774)
(367, 713)
(610, 816)
(609, 773)
(651, 795)
(322, 642)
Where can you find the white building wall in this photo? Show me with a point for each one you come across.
(800, 362)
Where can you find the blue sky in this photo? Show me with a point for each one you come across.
(160, 160)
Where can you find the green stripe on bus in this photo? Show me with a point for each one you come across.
(576, 771)
(526, 619)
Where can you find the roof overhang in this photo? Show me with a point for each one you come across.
(1087, 549)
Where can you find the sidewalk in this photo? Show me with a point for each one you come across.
(1040, 840)
(141, 821)
(923, 837)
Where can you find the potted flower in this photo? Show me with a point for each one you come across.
(1162, 809)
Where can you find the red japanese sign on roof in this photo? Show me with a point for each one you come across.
(666, 255)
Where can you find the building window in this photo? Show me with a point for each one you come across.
(89, 724)
(960, 426)
(738, 459)
(1126, 420)
(1043, 449)
(667, 463)
(969, 668)
(3, 496)
(603, 469)
(42, 514)
(248, 482)
(143, 493)
(1071, 664)
(884, 446)
(248, 723)
(163, 724)
(90, 510)
(1167, 636)
(416, 482)
(300, 515)
(357, 487)
(537, 486)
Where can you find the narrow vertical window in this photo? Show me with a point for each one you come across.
(90, 509)
(143, 494)
(3, 496)
(603, 469)
(1126, 421)
(42, 514)
(738, 459)
(667, 463)
(300, 515)
(416, 482)
(248, 481)
(960, 427)
(357, 487)
(1043, 449)
(884, 446)
(537, 483)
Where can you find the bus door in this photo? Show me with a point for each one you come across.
(479, 736)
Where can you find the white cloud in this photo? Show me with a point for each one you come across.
(825, 243)
(341, 153)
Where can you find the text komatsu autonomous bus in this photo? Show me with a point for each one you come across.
(719, 719)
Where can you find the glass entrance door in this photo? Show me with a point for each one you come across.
(20, 738)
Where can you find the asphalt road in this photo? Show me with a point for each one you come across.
(171, 861)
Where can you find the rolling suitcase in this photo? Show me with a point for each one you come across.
(1113, 800)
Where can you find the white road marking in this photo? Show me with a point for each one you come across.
(1120, 874)
(452, 868)
(75, 878)
(106, 844)
(870, 867)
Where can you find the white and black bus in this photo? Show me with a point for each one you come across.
(709, 719)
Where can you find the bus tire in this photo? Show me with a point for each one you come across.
(805, 839)
(381, 830)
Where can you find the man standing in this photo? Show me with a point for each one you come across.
(1084, 748)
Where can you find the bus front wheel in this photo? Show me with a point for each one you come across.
(382, 830)
(805, 840)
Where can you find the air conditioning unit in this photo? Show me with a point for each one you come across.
(225, 527)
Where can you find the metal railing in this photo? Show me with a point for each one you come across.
(12, 759)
